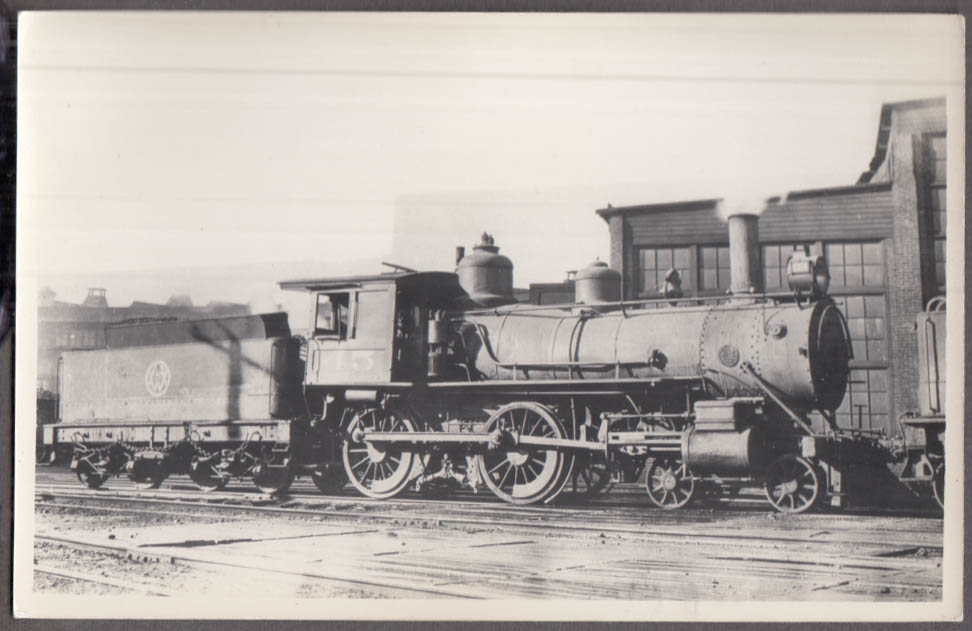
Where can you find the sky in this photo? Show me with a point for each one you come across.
(214, 154)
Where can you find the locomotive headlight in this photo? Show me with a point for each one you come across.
(807, 274)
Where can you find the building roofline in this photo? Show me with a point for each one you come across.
(690, 204)
(706, 204)
(884, 131)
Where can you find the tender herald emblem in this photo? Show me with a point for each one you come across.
(157, 378)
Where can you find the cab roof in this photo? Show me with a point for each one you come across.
(440, 282)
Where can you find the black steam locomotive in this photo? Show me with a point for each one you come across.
(428, 379)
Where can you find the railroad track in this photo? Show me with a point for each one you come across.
(395, 589)
(85, 577)
(549, 521)
(415, 547)
(624, 497)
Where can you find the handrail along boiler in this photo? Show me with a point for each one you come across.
(421, 379)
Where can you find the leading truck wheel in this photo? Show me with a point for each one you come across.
(378, 470)
(938, 485)
(792, 484)
(669, 483)
(520, 474)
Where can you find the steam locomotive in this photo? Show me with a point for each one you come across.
(431, 379)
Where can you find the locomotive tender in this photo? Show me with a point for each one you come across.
(924, 430)
(421, 379)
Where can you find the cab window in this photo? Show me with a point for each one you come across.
(332, 315)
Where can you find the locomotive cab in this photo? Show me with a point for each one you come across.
(372, 331)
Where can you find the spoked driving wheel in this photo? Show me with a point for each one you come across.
(792, 484)
(204, 476)
(378, 470)
(669, 483)
(521, 474)
(938, 485)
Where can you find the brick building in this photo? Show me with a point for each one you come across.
(883, 239)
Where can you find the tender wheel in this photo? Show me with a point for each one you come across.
(792, 484)
(273, 480)
(329, 478)
(938, 485)
(148, 474)
(204, 476)
(378, 470)
(92, 480)
(520, 475)
(669, 483)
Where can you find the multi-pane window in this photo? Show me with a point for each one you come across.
(714, 268)
(867, 324)
(654, 263)
(940, 262)
(774, 264)
(936, 202)
(855, 264)
(866, 404)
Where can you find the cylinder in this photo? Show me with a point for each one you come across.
(724, 453)
(744, 269)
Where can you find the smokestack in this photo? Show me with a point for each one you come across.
(744, 272)
(460, 252)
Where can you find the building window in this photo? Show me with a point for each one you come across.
(938, 214)
(935, 145)
(936, 159)
(867, 323)
(774, 264)
(866, 405)
(654, 263)
(940, 263)
(714, 268)
(855, 264)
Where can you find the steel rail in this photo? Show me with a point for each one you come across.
(101, 580)
(184, 560)
(402, 519)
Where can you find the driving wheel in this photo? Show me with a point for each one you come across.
(520, 474)
(378, 470)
